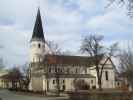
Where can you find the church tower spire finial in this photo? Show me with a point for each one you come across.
(38, 28)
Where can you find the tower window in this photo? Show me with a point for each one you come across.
(39, 45)
(106, 75)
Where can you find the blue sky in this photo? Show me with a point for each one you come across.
(64, 21)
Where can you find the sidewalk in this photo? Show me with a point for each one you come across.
(62, 96)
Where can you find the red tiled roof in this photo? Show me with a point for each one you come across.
(68, 60)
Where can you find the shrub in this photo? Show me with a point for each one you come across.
(81, 85)
(93, 87)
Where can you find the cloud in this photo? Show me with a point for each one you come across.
(112, 25)
(64, 21)
(15, 45)
(16, 29)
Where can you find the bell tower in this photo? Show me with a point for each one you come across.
(37, 42)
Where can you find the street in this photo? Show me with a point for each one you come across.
(8, 95)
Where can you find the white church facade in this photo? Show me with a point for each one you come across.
(49, 72)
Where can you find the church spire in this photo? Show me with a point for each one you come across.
(38, 29)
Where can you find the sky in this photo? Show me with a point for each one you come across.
(65, 22)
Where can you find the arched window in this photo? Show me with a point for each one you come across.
(50, 69)
(106, 75)
(39, 45)
(53, 81)
(76, 70)
(85, 70)
(63, 81)
(91, 81)
(68, 71)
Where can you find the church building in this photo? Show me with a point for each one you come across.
(50, 72)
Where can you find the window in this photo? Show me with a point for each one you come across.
(61, 70)
(68, 70)
(63, 87)
(39, 45)
(49, 69)
(86, 71)
(58, 69)
(91, 81)
(63, 81)
(53, 81)
(55, 70)
(76, 70)
(82, 81)
(106, 75)
(118, 84)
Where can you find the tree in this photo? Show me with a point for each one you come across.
(15, 77)
(57, 76)
(126, 64)
(54, 47)
(55, 50)
(127, 3)
(66, 52)
(25, 70)
(81, 85)
(92, 45)
(1, 64)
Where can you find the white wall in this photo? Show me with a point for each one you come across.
(110, 83)
(36, 53)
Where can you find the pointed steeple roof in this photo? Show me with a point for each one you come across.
(38, 29)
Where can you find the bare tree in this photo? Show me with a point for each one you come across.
(1, 64)
(54, 47)
(127, 3)
(66, 52)
(57, 76)
(126, 64)
(15, 77)
(80, 85)
(25, 70)
(92, 45)
(55, 50)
